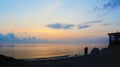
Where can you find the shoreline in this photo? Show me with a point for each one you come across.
(52, 58)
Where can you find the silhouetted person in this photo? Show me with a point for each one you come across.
(85, 50)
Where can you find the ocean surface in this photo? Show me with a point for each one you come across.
(25, 51)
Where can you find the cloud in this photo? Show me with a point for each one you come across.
(70, 26)
(8, 37)
(111, 4)
(12, 38)
(55, 26)
(83, 26)
(92, 22)
(60, 26)
(88, 24)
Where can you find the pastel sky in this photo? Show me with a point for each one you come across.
(64, 20)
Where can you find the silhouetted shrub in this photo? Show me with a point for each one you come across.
(95, 51)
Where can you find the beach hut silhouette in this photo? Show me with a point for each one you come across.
(114, 38)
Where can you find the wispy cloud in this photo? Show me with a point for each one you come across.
(60, 26)
(92, 22)
(83, 26)
(88, 24)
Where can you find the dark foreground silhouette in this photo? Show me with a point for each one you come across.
(106, 57)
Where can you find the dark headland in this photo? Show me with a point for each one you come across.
(106, 57)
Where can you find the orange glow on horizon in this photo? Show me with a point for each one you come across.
(53, 34)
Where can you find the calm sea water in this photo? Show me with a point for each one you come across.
(22, 51)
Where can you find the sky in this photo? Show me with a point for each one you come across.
(59, 20)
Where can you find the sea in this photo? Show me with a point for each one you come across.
(27, 51)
